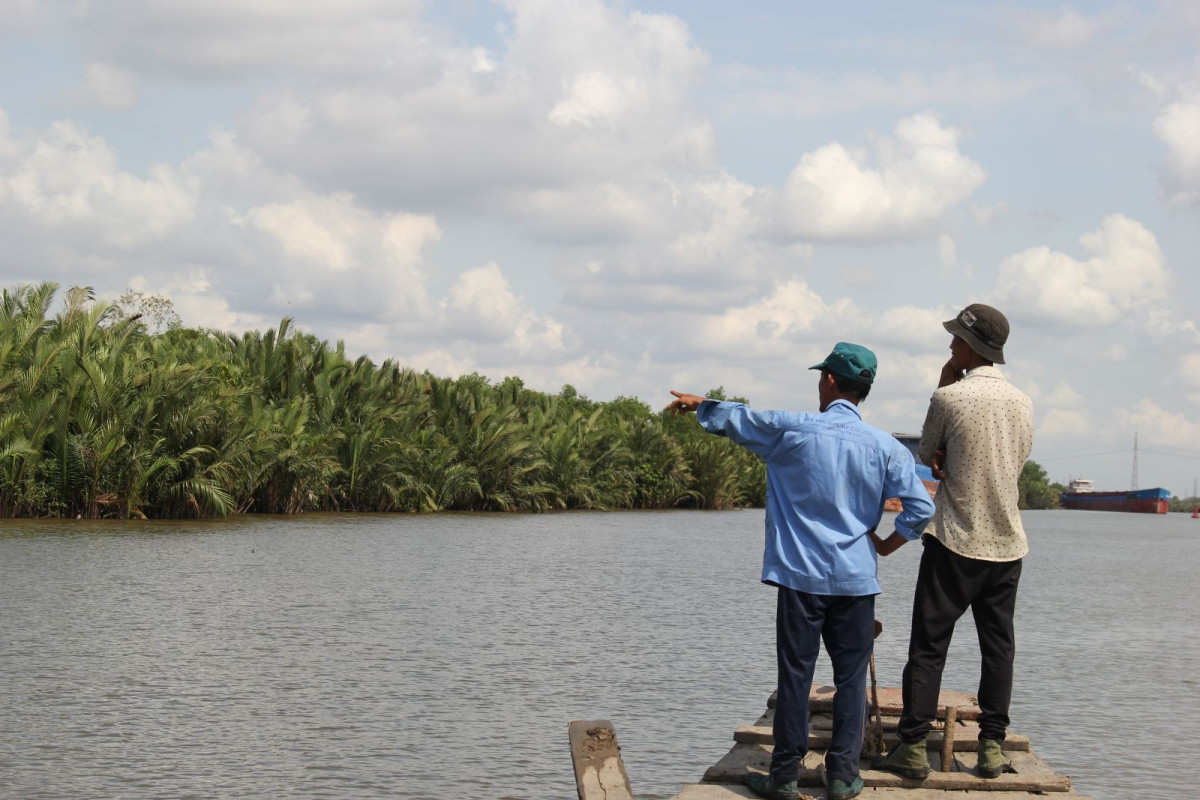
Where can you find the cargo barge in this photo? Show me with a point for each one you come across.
(1080, 496)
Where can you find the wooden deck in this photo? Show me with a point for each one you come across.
(1032, 777)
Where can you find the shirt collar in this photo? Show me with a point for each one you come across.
(843, 406)
(985, 371)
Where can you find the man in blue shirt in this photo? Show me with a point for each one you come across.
(828, 475)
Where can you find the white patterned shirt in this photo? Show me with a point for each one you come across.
(985, 425)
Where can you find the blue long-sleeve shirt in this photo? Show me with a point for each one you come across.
(828, 476)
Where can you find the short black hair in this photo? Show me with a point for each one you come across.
(858, 389)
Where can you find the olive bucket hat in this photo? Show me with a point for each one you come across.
(851, 361)
(983, 328)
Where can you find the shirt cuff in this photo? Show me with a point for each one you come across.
(910, 534)
(703, 409)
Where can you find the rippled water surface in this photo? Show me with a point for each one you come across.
(438, 657)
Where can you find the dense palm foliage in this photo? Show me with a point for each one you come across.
(100, 417)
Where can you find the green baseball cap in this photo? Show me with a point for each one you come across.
(851, 361)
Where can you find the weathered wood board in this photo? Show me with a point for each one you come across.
(891, 701)
(966, 736)
(824, 721)
(599, 770)
(1032, 773)
(1031, 776)
(741, 758)
(725, 791)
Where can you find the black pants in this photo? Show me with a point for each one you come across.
(947, 584)
(847, 626)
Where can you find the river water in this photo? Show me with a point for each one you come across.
(369, 656)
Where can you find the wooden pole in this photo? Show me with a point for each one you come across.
(874, 741)
(876, 746)
(948, 739)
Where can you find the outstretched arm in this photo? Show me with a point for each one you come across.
(757, 431)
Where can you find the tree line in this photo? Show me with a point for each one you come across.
(100, 416)
(117, 410)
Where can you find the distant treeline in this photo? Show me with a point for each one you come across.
(104, 415)
(1036, 490)
(1187, 504)
(117, 410)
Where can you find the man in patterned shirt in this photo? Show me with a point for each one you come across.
(976, 438)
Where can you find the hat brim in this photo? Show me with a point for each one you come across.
(993, 354)
(824, 366)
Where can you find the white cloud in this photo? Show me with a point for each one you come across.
(987, 215)
(780, 93)
(1189, 369)
(578, 130)
(18, 14)
(948, 251)
(1062, 414)
(1063, 29)
(909, 327)
(226, 39)
(1178, 126)
(904, 192)
(1064, 424)
(1126, 272)
(790, 313)
(199, 304)
(594, 99)
(333, 249)
(67, 181)
(481, 306)
(1156, 425)
(110, 88)
(1064, 396)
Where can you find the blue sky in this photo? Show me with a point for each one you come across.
(636, 196)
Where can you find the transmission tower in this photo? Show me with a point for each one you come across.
(1133, 479)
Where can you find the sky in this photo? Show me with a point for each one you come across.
(633, 197)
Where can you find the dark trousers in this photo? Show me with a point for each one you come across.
(847, 625)
(947, 584)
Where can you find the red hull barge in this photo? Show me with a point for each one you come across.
(1137, 501)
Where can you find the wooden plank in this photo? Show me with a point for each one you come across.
(599, 771)
(733, 765)
(714, 791)
(1032, 775)
(823, 721)
(891, 701)
(727, 791)
(966, 737)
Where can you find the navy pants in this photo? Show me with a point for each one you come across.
(947, 584)
(847, 626)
